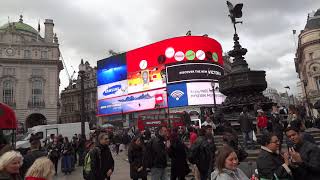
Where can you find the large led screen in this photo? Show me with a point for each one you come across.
(110, 90)
(112, 69)
(133, 102)
(177, 95)
(147, 79)
(193, 93)
(202, 93)
(194, 71)
(179, 49)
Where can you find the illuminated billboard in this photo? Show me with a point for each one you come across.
(147, 79)
(193, 71)
(179, 49)
(112, 69)
(110, 90)
(193, 93)
(134, 102)
(137, 79)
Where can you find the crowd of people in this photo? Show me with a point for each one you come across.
(189, 149)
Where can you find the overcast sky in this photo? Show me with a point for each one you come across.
(88, 29)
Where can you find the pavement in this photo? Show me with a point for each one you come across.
(121, 170)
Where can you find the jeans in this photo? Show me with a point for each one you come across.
(158, 174)
(67, 163)
(247, 137)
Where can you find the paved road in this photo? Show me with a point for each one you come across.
(121, 171)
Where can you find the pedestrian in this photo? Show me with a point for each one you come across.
(298, 124)
(10, 163)
(54, 153)
(177, 153)
(293, 114)
(271, 164)
(117, 142)
(66, 161)
(74, 144)
(227, 166)
(136, 155)
(262, 122)
(277, 128)
(160, 144)
(102, 163)
(246, 125)
(41, 169)
(34, 153)
(81, 148)
(202, 152)
(305, 156)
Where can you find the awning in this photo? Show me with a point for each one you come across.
(8, 118)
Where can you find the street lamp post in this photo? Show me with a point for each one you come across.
(82, 69)
(305, 83)
(214, 96)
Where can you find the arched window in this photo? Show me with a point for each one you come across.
(8, 89)
(37, 92)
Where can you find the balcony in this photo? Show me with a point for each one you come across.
(36, 104)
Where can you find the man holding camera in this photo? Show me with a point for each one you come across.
(305, 156)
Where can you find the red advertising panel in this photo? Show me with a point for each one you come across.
(185, 48)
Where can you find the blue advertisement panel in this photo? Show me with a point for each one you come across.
(133, 102)
(177, 95)
(112, 69)
(115, 89)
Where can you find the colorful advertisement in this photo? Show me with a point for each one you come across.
(193, 71)
(202, 93)
(177, 95)
(115, 89)
(194, 93)
(147, 79)
(133, 102)
(112, 69)
(178, 49)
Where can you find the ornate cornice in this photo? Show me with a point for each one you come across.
(30, 61)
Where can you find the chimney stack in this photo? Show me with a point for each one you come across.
(48, 35)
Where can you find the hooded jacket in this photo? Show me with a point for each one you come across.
(227, 174)
(101, 162)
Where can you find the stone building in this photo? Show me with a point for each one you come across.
(272, 94)
(307, 61)
(71, 100)
(29, 72)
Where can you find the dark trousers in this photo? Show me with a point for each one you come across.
(174, 177)
(55, 163)
(204, 175)
(145, 178)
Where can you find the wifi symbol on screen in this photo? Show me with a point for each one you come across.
(177, 94)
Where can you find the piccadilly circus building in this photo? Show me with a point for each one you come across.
(149, 84)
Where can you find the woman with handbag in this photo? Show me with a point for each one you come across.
(136, 156)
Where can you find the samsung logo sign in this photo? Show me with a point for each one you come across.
(112, 90)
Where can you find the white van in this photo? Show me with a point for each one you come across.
(44, 131)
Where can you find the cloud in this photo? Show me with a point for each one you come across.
(88, 29)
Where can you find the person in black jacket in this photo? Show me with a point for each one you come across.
(159, 151)
(102, 163)
(34, 153)
(66, 161)
(202, 152)
(54, 152)
(177, 153)
(246, 125)
(270, 164)
(136, 155)
(305, 156)
(305, 135)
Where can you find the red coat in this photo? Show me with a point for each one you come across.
(262, 122)
(34, 178)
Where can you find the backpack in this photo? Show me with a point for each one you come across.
(148, 157)
(87, 171)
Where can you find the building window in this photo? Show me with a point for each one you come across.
(37, 72)
(8, 71)
(317, 79)
(37, 90)
(311, 55)
(27, 54)
(44, 55)
(8, 92)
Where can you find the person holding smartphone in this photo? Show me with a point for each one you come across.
(305, 156)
